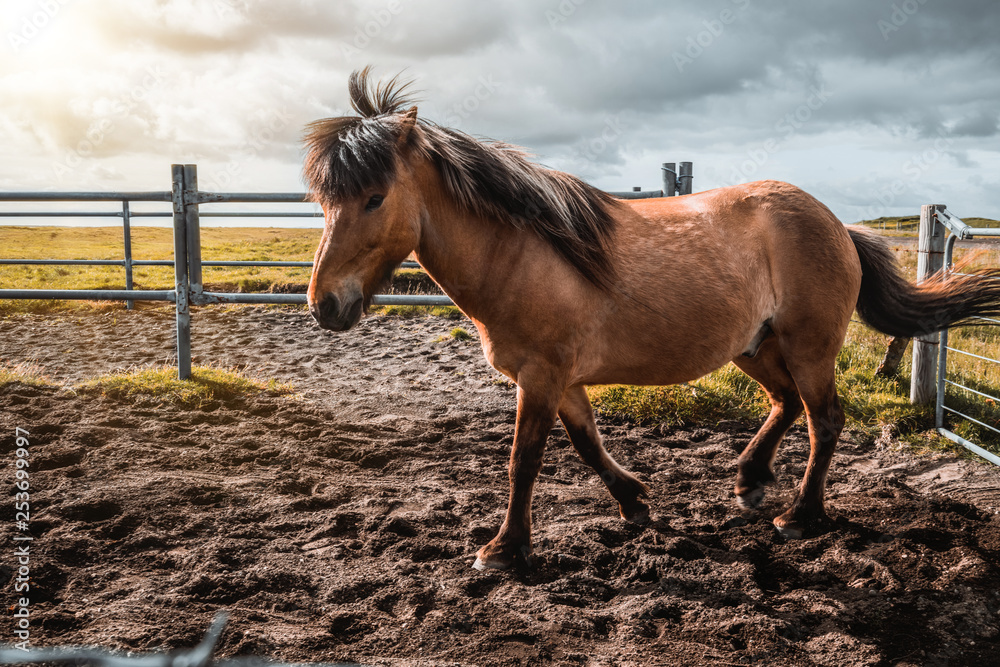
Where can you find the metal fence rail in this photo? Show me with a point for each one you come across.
(199, 656)
(186, 200)
(125, 214)
(959, 230)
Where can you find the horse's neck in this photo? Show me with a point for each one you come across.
(463, 253)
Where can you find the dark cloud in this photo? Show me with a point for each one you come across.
(606, 90)
(982, 123)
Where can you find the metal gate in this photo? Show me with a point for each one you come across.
(960, 230)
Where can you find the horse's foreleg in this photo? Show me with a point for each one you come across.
(577, 417)
(536, 414)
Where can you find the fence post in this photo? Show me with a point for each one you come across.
(668, 172)
(192, 224)
(930, 259)
(127, 231)
(181, 285)
(687, 175)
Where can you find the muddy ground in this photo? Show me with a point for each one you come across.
(340, 526)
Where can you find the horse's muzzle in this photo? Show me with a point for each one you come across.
(333, 314)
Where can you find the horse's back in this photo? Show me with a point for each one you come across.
(761, 232)
(702, 274)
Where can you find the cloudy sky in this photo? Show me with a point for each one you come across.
(874, 106)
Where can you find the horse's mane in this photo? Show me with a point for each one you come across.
(351, 155)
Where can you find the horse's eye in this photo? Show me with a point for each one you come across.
(374, 202)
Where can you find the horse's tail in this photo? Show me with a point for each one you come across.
(895, 306)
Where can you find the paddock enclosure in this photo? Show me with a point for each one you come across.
(339, 525)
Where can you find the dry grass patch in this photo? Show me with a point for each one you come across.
(206, 385)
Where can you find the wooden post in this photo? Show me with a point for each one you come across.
(893, 355)
(930, 259)
(192, 224)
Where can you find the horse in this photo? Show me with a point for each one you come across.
(569, 286)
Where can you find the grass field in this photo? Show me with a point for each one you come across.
(911, 223)
(874, 404)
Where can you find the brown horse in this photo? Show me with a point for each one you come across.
(569, 287)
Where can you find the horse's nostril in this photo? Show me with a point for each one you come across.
(329, 309)
(335, 314)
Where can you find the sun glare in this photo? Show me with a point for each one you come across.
(54, 34)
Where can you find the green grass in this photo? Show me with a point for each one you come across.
(410, 312)
(873, 404)
(458, 333)
(207, 384)
(911, 223)
(727, 394)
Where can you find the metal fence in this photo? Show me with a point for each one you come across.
(935, 219)
(186, 200)
(199, 656)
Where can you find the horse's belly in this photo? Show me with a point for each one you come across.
(668, 361)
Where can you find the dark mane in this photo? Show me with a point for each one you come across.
(351, 155)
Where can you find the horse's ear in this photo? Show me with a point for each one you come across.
(406, 124)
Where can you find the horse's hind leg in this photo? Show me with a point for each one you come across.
(754, 469)
(577, 417)
(826, 420)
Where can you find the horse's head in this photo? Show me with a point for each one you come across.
(357, 171)
(378, 174)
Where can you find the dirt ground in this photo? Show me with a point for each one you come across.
(340, 526)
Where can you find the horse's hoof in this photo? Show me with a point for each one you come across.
(794, 523)
(751, 500)
(480, 565)
(792, 527)
(501, 558)
(790, 531)
(639, 517)
(490, 564)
